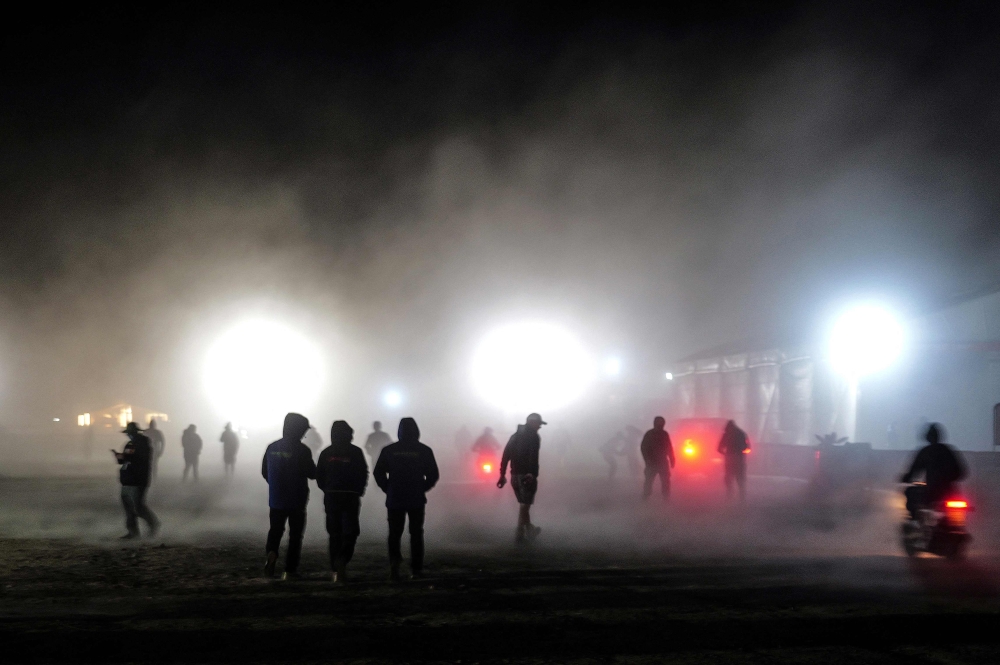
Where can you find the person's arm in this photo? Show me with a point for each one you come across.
(321, 472)
(916, 468)
(263, 464)
(431, 473)
(309, 466)
(505, 460)
(362, 473)
(379, 472)
(668, 444)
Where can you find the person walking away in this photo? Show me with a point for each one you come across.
(287, 467)
(658, 454)
(191, 443)
(941, 467)
(521, 453)
(406, 471)
(610, 450)
(158, 442)
(342, 475)
(135, 461)
(230, 446)
(376, 441)
(733, 447)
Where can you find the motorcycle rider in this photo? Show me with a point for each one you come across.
(940, 465)
(486, 444)
(521, 453)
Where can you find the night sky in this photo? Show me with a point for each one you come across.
(395, 183)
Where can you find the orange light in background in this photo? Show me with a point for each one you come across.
(487, 468)
(956, 504)
(689, 448)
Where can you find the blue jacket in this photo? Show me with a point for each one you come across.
(287, 467)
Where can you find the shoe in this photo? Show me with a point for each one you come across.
(129, 536)
(341, 573)
(289, 577)
(272, 558)
(532, 532)
(394, 571)
(334, 578)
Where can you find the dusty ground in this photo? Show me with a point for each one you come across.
(611, 580)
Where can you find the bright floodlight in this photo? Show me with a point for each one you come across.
(257, 371)
(392, 398)
(865, 339)
(528, 367)
(613, 366)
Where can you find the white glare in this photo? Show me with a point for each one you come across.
(257, 371)
(612, 366)
(531, 367)
(864, 340)
(670, 376)
(392, 398)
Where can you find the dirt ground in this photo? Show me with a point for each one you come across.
(610, 580)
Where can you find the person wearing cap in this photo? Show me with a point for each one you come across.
(521, 453)
(191, 443)
(406, 471)
(135, 461)
(287, 467)
(342, 474)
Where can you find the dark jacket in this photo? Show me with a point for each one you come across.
(191, 443)
(288, 465)
(135, 459)
(342, 467)
(406, 470)
(230, 442)
(521, 452)
(940, 466)
(734, 442)
(657, 449)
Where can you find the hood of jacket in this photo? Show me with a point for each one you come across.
(295, 427)
(341, 434)
(408, 431)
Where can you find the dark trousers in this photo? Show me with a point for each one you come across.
(296, 527)
(651, 473)
(342, 512)
(736, 474)
(134, 502)
(397, 519)
(190, 465)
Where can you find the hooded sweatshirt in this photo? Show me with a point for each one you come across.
(342, 467)
(406, 470)
(288, 465)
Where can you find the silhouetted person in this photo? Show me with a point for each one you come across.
(158, 442)
(135, 461)
(521, 453)
(405, 471)
(610, 450)
(191, 443)
(287, 467)
(313, 440)
(376, 441)
(486, 444)
(658, 454)
(342, 474)
(941, 467)
(230, 446)
(733, 446)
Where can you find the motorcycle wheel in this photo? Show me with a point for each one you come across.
(908, 541)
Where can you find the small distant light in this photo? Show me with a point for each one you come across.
(392, 398)
(613, 366)
(55, 420)
(670, 376)
(487, 468)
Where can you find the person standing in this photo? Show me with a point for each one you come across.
(406, 471)
(733, 446)
(521, 453)
(376, 441)
(342, 475)
(158, 442)
(135, 461)
(230, 446)
(658, 454)
(191, 443)
(287, 467)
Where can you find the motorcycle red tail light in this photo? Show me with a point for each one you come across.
(957, 503)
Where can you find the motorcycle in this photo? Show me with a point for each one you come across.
(939, 529)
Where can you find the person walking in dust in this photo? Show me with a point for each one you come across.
(191, 443)
(287, 467)
(521, 453)
(134, 476)
(230, 446)
(342, 474)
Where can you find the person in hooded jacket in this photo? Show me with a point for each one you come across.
(191, 443)
(941, 467)
(521, 453)
(230, 446)
(342, 474)
(287, 467)
(406, 471)
(733, 446)
(658, 453)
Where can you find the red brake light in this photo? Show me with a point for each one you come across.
(689, 448)
(487, 468)
(956, 504)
